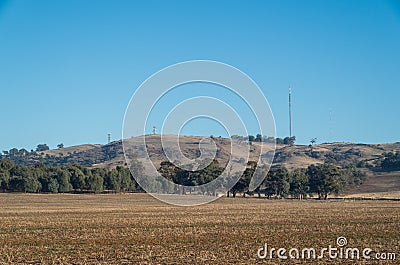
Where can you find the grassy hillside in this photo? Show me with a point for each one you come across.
(296, 156)
(290, 156)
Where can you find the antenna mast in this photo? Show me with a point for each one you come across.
(109, 137)
(290, 111)
(331, 125)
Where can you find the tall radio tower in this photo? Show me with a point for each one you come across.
(290, 111)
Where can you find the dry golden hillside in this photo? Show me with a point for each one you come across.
(290, 156)
(296, 156)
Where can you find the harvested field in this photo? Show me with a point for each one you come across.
(137, 229)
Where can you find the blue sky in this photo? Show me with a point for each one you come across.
(69, 68)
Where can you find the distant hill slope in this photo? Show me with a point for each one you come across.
(296, 156)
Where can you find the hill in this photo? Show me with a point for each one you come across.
(290, 156)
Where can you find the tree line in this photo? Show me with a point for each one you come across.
(321, 179)
(39, 155)
(391, 161)
(23, 152)
(388, 161)
(68, 178)
(260, 138)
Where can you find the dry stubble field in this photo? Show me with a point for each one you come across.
(137, 229)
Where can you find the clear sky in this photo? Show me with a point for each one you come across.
(69, 68)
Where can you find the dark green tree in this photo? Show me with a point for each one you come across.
(63, 179)
(42, 147)
(313, 141)
(251, 138)
(299, 183)
(391, 161)
(23, 152)
(324, 179)
(277, 182)
(77, 178)
(112, 180)
(6, 164)
(258, 138)
(88, 177)
(289, 140)
(4, 179)
(96, 183)
(353, 176)
(25, 184)
(52, 185)
(13, 152)
(124, 176)
(242, 186)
